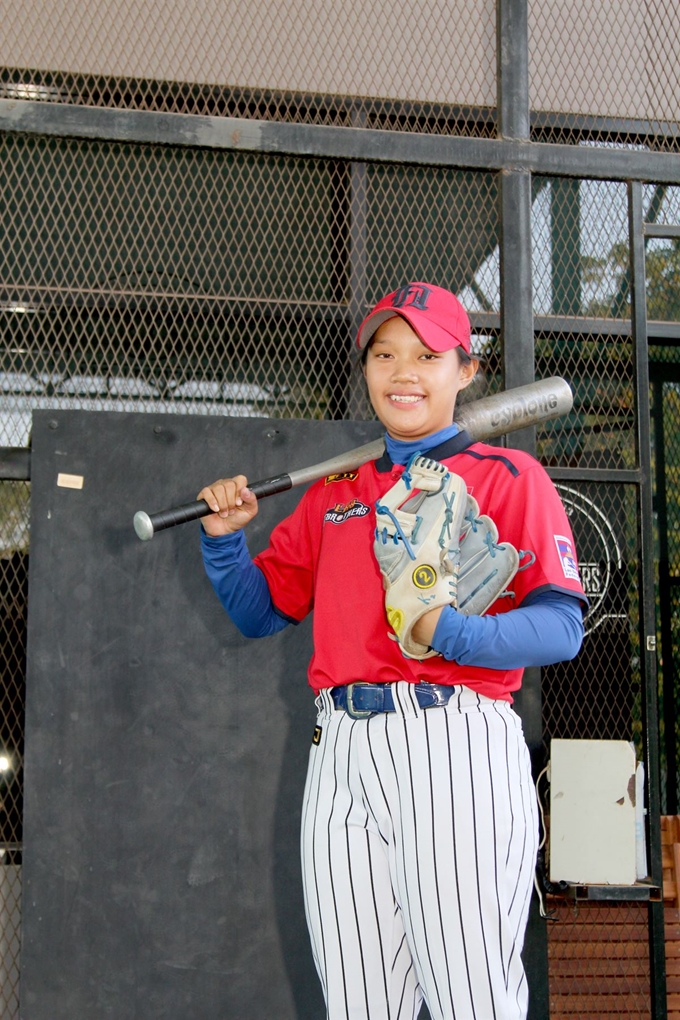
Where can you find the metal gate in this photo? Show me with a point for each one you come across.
(665, 389)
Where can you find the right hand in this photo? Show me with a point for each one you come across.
(233, 502)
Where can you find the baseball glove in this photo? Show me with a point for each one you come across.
(434, 548)
(418, 526)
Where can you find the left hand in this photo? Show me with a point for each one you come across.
(424, 628)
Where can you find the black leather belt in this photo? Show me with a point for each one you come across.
(361, 700)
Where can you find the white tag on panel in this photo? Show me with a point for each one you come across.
(70, 481)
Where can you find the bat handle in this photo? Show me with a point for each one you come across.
(146, 525)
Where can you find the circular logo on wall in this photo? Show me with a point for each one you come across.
(600, 559)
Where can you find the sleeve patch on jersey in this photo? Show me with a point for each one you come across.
(567, 558)
(316, 735)
(345, 476)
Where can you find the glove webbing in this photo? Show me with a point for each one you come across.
(469, 565)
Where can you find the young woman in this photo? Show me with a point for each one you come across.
(419, 827)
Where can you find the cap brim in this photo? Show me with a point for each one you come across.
(432, 335)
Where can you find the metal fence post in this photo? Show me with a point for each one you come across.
(517, 322)
(358, 404)
(650, 711)
(517, 331)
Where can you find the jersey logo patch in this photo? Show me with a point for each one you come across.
(316, 735)
(344, 476)
(344, 511)
(567, 558)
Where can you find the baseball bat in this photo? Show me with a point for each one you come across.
(483, 419)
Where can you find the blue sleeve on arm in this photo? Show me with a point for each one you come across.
(548, 630)
(240, 585)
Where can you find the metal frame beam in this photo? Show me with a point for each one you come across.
(647, 616)
(358, 144)
(514, 189)
(665, 598)
(512, 68)
(517, 337)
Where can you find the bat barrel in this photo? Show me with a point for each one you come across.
(517, 408)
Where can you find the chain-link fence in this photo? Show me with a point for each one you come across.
(666, 420)
(601, 71)
(605, 72)
(602, 951)
(361, 64)
(191, 279)
(173, 279)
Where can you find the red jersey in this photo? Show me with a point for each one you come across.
(321, 558)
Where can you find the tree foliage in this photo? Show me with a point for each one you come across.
(610, 275)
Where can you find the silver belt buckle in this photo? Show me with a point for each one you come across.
(357, 713)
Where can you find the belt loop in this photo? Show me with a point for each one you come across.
(405, 700)
(324, 703)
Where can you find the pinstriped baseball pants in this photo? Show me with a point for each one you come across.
(419, 837)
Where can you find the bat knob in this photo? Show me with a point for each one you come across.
(143, 526)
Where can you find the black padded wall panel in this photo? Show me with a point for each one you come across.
(165, 754)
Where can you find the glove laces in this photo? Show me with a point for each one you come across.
(488, 538)
(383, 535)
(399, 534)
(406, 474)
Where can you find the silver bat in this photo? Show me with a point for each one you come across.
(483, 419)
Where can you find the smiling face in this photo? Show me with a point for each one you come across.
(413, 389)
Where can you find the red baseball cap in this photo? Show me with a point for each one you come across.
(434, 313)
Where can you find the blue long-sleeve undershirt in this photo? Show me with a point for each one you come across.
(240, 585)
(548, 629)
(400, 450)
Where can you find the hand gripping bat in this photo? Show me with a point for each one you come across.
(483, 419)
